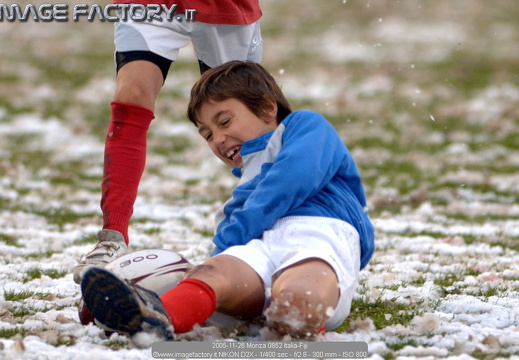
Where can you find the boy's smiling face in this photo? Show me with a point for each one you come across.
(227, 124)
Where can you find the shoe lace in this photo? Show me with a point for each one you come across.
(111, 248)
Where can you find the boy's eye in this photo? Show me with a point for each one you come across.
(225, 122)
(207, 136)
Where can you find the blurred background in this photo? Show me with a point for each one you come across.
(424, 93)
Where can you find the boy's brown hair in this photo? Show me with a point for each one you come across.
(245, 81)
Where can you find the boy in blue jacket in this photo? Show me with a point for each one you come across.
(290, 242)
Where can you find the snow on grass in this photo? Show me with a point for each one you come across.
(425, 96)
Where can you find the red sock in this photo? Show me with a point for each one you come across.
(124, 160)
(191, 302)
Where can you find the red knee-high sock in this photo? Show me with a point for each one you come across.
(191, 302)
(124, 160)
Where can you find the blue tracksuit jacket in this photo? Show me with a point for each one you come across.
(301, 169)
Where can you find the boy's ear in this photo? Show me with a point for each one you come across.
(272, 112)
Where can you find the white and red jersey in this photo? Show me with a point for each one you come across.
(230, 12)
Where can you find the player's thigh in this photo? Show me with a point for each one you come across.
(239, 289)
(310, 281)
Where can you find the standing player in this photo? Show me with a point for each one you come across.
(223, 30)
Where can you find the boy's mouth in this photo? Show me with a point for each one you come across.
(233, 153)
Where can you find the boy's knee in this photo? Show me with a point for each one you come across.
(297, 313)
(207, 273)
(139, 83)
(303, 297)
(136, 93)
(213, 277)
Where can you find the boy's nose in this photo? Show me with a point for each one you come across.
(219, 137)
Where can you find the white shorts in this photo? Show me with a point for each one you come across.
(297, 238)
(214, 44)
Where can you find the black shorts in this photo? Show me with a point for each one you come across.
(122, 58)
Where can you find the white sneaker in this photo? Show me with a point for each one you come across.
(110, 246)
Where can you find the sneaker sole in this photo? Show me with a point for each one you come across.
(111, 302)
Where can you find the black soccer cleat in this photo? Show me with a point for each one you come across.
(124, 307)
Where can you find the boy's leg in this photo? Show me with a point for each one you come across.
(316, 274)
(144, 54)
(239, 289)
(138, 84)
(223, 283)
(304, 295)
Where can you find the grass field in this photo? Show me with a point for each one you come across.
(424, 93)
